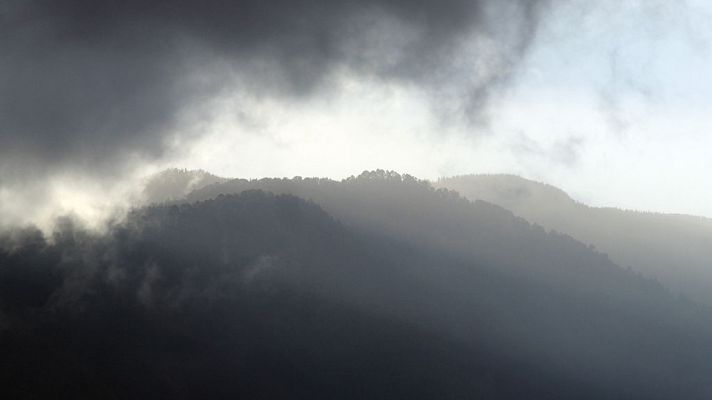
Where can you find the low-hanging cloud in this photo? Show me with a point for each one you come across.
(87, 83)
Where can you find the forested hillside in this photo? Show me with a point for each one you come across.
(391, 290)
(676, 249)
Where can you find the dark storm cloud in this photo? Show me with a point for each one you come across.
(89, 81)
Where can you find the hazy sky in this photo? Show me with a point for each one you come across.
(608, 100)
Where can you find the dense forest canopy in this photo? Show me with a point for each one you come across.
(378, 286)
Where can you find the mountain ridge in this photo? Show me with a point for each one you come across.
(675, 248)
(651, 243)
(257, 281)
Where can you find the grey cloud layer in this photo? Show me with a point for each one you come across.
(91, 80)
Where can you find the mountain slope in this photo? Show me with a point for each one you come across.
(402, 207)
(266, 296)
(231, 298)
(676, 249)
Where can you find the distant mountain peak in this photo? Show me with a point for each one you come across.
(505, 189)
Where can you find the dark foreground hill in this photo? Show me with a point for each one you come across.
(416, 294)
(544, 314)
(241, 297)
(676, 249)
